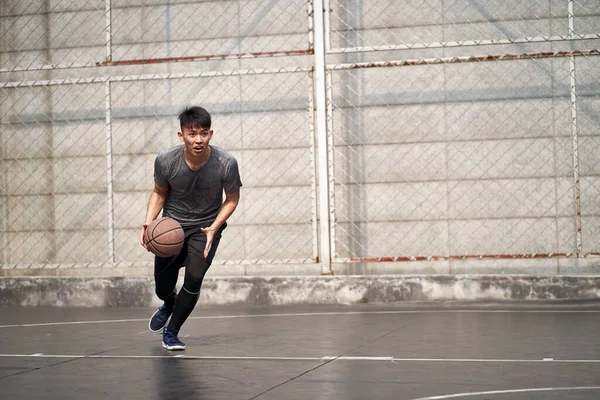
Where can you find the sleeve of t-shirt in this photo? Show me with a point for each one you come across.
(159, 173)
(232, 181)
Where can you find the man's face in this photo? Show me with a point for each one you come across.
(196, 140)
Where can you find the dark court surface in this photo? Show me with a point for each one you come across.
(405, 352)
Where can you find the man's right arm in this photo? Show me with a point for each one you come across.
(155, 204)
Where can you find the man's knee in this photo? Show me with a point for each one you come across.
(162, 293)
(194, 274)
(193, 281)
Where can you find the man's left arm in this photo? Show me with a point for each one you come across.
(227, 208)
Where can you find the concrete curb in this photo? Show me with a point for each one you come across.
(139, 291)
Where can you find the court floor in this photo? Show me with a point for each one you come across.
(405, 352)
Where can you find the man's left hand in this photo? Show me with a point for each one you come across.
(210, 234)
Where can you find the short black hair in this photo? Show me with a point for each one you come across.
(194, 117)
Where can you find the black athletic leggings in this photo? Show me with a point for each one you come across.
(166, 272)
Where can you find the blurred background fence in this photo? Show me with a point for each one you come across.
(461, 129)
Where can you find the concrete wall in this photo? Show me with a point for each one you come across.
(429, 160)
(262, 291)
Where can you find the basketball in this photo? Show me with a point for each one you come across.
(164, 237)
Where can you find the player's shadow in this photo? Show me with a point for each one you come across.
(179, 378)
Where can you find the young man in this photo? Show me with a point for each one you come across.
(189, 181)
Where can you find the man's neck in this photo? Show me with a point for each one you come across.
(196, 162)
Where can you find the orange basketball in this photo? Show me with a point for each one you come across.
(164, 237)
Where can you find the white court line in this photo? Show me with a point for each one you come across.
(496, 360)
(307, 314)
(106, 356)
(493, 392)
(324, 358)
(357, 358)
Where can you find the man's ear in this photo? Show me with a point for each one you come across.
(180, 135)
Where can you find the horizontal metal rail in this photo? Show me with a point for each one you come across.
(463, 257)
(154, 77)
(147, 264)
(465, 43)
(145, 61)
(464, 59)
(299, 52)
(283, 70)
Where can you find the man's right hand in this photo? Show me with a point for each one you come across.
(142, 236)
(155, 204)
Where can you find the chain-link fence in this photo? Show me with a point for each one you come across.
(84, 115)
(456, 129)
(73, 33)
(78, 177)
(477, 142)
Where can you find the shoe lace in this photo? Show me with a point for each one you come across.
(171, 335)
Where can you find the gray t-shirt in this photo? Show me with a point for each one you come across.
(195, 197)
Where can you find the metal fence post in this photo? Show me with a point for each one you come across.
(108, 31)
(109, 176)
(576, 180)
(322, 143)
